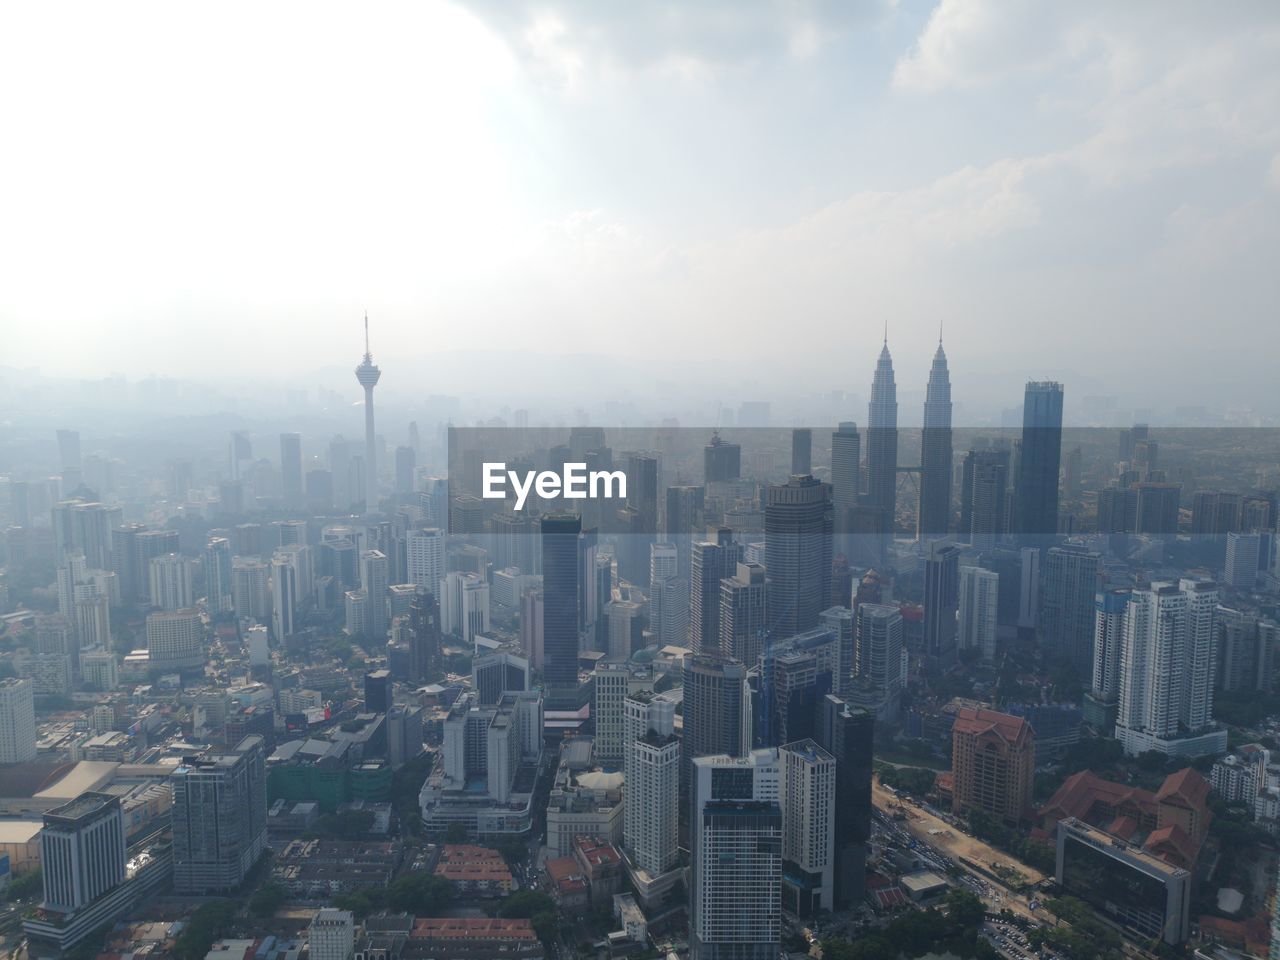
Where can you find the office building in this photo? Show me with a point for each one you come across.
(424, 637)
(251, 588)
(798, 531)
(935, 452)
(1067, 606)
(669, 612)
(743, 612)
(374, 580)
(651, 815)
(331, 935)
(1102, 701)
(993, 763)
(497, 672)
(487, 772)
(801, 452)
(1166, 671)
(941, 602)
(614, 682)
(172, 579)
(1246, 650)
(735, 891)
(464, 606)
(716, 713)
(846, 483)
(147, 545)
(984, 496)
(17, 720)
(979, 612)
(219, 818)
(1144, 894)
(1241, 570)
(560, 588)
(406, 468)
(1039, 462)
(291, 468)
(711, 562)
(425, 553)
(882, 442)
(847, 733)
(217, 576)
(878, 660)
(721, 461)
(82, 851)
(175, 640)
(808, 828)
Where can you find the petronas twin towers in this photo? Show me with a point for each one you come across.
(934, 518)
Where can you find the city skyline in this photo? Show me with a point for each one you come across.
(1130, 185)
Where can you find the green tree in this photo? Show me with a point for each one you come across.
(266, 900)
(206, 925)
(536, 907)
(25, 885)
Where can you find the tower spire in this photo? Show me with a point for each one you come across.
(366, 334)
(886, 331)
(939, 331)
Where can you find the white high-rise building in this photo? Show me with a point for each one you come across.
(808, 827)
(172, 581)
(664, 563)
(1167, 661)
(979, 595)
(93, 622)
(622, 616)
(250, 588)
(613, 682)
(464, 606)
(424, 551)
(878, 659)
(650, 828)
(284, 596)
(669, 612)
(17, 721)
(217, 575)
(175, 639)
(736, 840)
(82, 851)
(332, 935)
(374, 581)
(1241, 572)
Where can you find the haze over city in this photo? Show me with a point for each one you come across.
(565, 480)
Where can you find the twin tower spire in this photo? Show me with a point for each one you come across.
(935, 456)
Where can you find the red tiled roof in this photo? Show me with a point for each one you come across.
(472, 928)
(1173, 845)
(978, 720)
(1081, 791)
(1187, 786)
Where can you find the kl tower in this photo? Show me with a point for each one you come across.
(368, 373)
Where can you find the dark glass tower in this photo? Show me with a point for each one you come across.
(1040, 460)
(935, 452)
(560, 585)
(847, 734)
(882, 441)
(797, 537)
(714, 708)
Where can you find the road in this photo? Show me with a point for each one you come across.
(947, 843)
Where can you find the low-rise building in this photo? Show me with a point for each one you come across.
(475, 871)
(472, 938)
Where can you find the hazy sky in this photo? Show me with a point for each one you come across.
(1068, 186)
